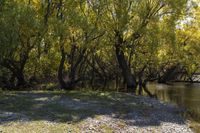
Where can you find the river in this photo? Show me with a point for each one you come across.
(182, 94)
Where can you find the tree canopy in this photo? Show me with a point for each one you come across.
(92, 43)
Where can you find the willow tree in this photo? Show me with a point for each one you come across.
(95, 39)
(171, 54)
(126, 22)
(188, 42)
(73, 25)
(20, 31)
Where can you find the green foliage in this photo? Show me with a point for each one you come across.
(154, 33)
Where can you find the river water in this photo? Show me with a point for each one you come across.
(182, 94)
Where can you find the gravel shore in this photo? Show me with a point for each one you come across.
(157, 117)
(118, 113)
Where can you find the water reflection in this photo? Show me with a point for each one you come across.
(184, 95)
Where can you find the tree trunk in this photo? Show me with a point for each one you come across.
(60, 72)
(140, 86)
(126, 70)
(72, 81)
(169, 74)
(146, 89)
(20, 79)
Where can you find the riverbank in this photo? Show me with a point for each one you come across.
(52, 112)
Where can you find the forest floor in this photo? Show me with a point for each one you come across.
(86, 112)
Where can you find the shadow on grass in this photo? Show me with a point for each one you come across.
(73, 107)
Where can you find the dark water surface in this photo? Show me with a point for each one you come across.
(181, 94)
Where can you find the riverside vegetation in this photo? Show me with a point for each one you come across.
(100, 46)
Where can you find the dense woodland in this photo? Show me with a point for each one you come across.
(94, 43)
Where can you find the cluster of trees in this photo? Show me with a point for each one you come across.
(90, 43)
